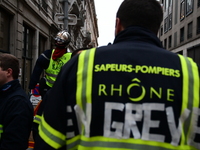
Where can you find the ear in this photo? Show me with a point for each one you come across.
(118, 26)
(9, 72)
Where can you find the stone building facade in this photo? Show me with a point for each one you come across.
(180, 30)
(28, 27)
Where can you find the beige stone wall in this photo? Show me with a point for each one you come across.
(40, 20)
(177, 24)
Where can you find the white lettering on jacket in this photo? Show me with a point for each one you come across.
(142, 112)
(135, 114)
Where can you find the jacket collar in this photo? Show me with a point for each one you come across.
(138, 34)
(9, 85)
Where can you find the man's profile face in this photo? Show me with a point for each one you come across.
(3, 76)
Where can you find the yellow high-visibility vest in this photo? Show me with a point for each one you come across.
(54, 68)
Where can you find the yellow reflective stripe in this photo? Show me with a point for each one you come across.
(189, 92)
(73, 142)
(84, 84)
(103, 143)
(90, 75)
(85, 77)
(51, 136)
(194, 91)
(1, 128)
(190, 98)
(80, 79)
(185, 83)
(37, 119)
(184, 90)
(196, 84)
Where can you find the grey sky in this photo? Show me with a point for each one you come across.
(106, 14)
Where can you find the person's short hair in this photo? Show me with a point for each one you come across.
(143, 13)
(10, 61)
(77, 51)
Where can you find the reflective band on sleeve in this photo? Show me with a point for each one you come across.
(190, 92)
(45, 56)
(51, 136)
(37, 119)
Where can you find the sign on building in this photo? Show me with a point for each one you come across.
(59, 18)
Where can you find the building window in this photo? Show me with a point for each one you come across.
(194, 53)
(189, 7)
(170, 3)
(198, 3)
(176, 16)
(182, 13)
(166, 25)
(182, 34)
(161, 31)
(170, 21)
(189, 35)
(170, 41)
(166, 4)
(4, 31)
(165, 44)
(42, 41)
(198, 25)
(175, 39)
(27, 56)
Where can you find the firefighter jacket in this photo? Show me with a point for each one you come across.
(132, 94)
(16, 117)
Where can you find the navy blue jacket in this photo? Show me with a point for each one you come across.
(127, 79)
(16, 116)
